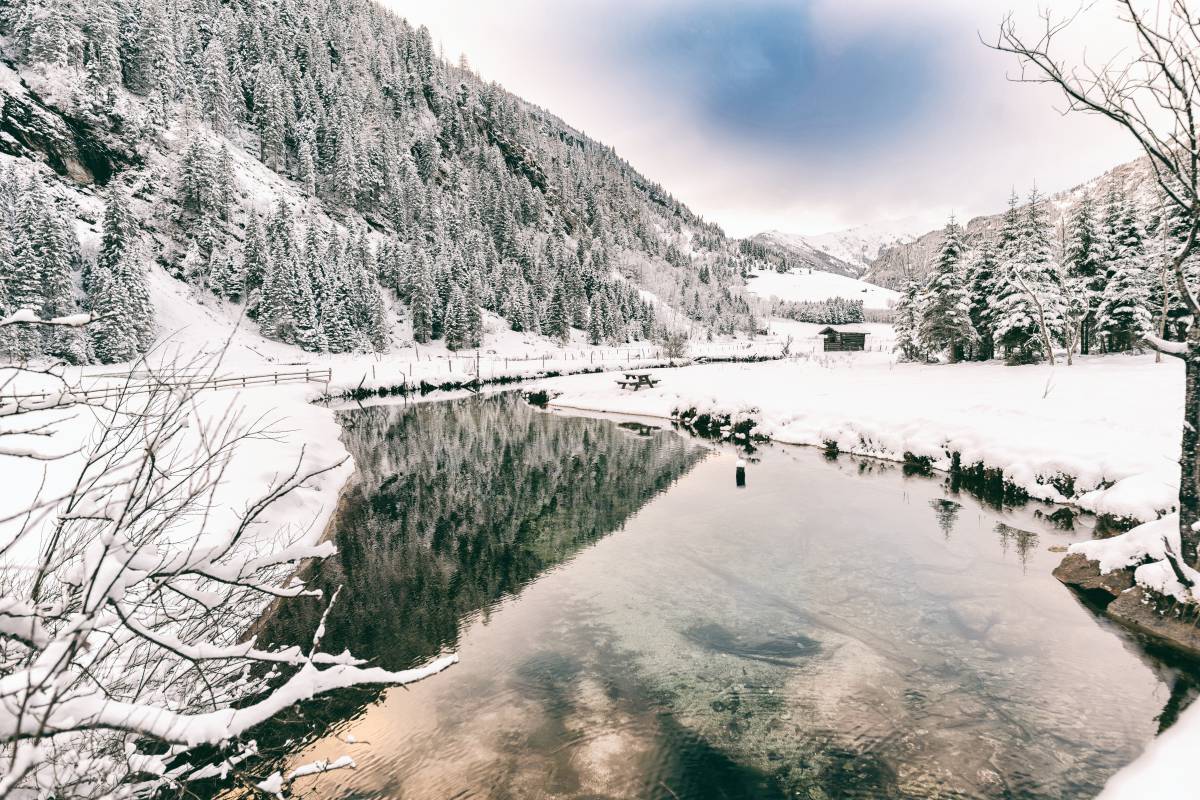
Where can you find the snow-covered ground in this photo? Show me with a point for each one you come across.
(1035, 423)
(805, 285)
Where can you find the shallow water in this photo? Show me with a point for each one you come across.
(633, 624)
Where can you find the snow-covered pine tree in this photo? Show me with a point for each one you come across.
(454, 323)
(24, 284)
(946, 302)
(306, 332)
(275, 313)
(255, 258)
(1029, 299)
(981, 278)
(558, 315)
(1084, 267)
(473, 328)
(58, 250)
(224, 183)
(908, 323)
(1123, 316)
(121, 296)
(421, 299)
(214, 86)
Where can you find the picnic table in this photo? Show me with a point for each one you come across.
(636, 380)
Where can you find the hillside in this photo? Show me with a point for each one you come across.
(318, 165)
(901, 262)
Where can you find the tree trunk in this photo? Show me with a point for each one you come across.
(1189, 481)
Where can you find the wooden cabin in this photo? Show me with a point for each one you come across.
(840, 341)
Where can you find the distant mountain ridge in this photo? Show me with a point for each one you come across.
(849, 252)
(792, 251)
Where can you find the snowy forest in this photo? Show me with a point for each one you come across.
(322, 165)
(1098, 282)
(833, 311)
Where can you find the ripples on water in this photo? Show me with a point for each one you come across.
(631, 624)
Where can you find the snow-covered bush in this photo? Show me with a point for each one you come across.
(125, 599)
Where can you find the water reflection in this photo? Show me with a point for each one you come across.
(947, 513)
(1021, 540)
(456, 505)
(815, 634)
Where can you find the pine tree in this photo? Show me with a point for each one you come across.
(275, 314)
(196, 179)
(946, 302)
(226, 277)
(1123, 316)
(595, 323)
(255, 257)
(214, 86)
(982, 276)
(454, 324)
(1084, 267)
(121, 295)
(223, 191)
(421, 297)
(558, 320)
(1029, 298)
(25, 288)
(908, 323)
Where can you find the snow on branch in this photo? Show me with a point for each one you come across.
(27, 316)
(127, 625)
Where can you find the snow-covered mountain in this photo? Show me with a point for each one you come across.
(844, 252)
(862, 244)
(787, 250)
(294, 157)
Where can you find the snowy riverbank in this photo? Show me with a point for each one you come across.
(1062, 434)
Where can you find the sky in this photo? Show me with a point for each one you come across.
(804, 116)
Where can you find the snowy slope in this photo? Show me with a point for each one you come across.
(804, 285)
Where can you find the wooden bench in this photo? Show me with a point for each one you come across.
(636, 380)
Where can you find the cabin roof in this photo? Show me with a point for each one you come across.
(831, 330)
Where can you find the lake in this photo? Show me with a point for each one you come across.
(633, 624)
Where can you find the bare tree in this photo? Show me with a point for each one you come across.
(125, 598)
(1153, 93)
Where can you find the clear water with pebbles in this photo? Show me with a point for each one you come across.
(633, 625)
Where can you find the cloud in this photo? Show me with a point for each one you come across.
(803, 115)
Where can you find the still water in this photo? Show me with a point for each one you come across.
(632, 624)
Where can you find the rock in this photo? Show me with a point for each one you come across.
(1082, 574)
(29, 128)
(1130, 606)
(1133, 610)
